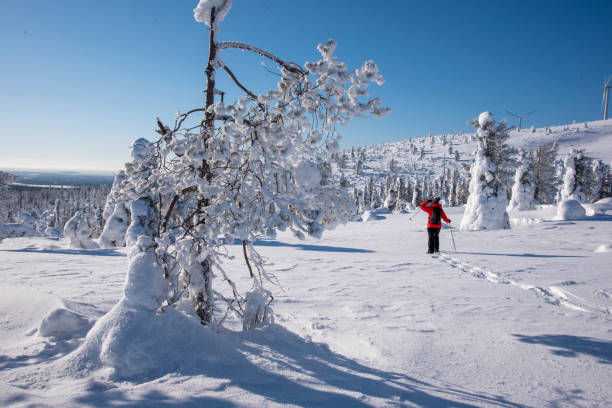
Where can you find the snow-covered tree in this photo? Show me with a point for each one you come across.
(116, 226)
(77, 229)
(246, 170)
(488, 199)
(416, 194)
(391, 200)
(393, 167)
(523, 188)
(578, 180)
(545, 173)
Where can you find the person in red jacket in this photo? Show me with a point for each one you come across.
(434, 223)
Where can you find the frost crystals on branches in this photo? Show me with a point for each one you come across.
(247, 170)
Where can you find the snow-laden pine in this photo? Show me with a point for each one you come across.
(487, 202)
(523, 189)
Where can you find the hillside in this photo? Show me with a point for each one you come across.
(594, 137)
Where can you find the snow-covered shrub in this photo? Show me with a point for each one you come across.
(570, 210)
(487, 202)
(78, 231)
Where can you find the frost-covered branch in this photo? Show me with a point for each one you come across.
(289, 66)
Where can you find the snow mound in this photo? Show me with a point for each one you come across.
(601, 207)
(133, 340)
(135, 343)
(570, 210)
(374, 215)
(603, 248)
(522, 221)
(202, 12)
(63, 324)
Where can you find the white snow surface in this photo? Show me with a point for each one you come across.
(363, 317)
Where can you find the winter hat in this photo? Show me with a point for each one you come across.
(436, 200)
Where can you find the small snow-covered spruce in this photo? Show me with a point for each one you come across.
(488, 199)
(545, 173)
(578, 180)
(523, 189)
(601, 181)
(606, 185)
(249, 169)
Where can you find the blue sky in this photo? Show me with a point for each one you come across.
(79, 80)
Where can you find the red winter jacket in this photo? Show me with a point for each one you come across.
(428, 211)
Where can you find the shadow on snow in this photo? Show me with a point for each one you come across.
(571, 346)
(527, 255)
(94, 252)
(277, 366)
(309, 247)
(281, 367)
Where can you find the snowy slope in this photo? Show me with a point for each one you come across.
(594, 137)
(364, 317)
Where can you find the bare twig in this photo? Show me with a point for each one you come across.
(173, 203)
(246, 258)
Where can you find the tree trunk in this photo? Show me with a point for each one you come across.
(204, 299)
(210, 73)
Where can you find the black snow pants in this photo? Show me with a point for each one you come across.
(434, 240)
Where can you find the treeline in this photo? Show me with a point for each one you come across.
(41, 208)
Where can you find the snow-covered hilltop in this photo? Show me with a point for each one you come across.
(400, 175)
(428, 156)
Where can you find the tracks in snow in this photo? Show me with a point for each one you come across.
(553, 295)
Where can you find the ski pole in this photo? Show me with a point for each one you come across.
(451, 230)
(414, 213)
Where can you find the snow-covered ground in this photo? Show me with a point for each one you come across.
(363, 317)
